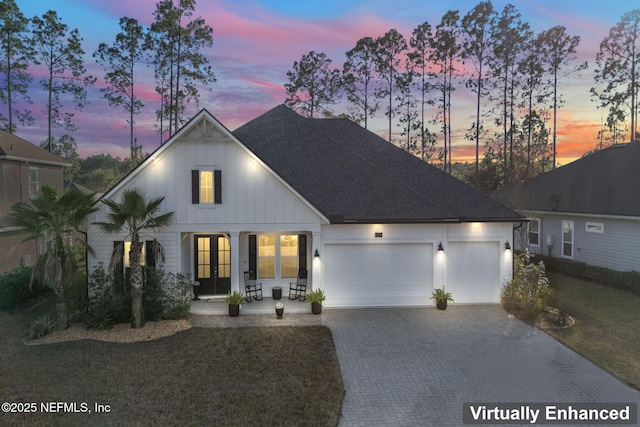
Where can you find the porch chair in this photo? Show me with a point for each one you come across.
(251, 288)
(298, 290)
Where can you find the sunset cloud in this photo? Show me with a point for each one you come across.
(257, 41)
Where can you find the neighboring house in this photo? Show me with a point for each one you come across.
(24, 169)
(285, 193)
(587, 210)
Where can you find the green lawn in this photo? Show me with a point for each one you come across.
(279, 376)
(607, 328)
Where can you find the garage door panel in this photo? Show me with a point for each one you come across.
(378, 275)
(473, 272)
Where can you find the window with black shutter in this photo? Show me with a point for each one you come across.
(206, 187)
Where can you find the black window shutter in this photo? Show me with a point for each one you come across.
(195, 187)
(217, 187)
(150, 253)
(118, 268)
(253, 253)
(302, 252)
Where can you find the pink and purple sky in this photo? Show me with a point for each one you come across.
(257, 41)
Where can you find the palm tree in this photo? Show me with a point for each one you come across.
(134, 214)
(54, 217)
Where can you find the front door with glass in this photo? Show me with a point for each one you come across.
(212, 264)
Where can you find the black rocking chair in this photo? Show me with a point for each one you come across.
(298, 290)
(251, 288)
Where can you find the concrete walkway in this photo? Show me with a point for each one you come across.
(417, 366)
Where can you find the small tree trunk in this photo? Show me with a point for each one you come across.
(136, 308)
(136, 284)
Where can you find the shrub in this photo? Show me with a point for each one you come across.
(625, 280)
(100, 316)
(528, 293)
(40, 327)
(165, 296)
(77, 299)
(152, 293)
(14, 288)
(107, 300)
(176, 296)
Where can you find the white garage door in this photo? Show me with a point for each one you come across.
(378, 275)
(473, 271)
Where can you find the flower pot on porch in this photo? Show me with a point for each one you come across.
(316, 307)
(234, 310)
(279, 312)
(276, 293)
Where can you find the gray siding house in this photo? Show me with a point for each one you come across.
(587, 210)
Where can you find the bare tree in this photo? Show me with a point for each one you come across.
(445, 51)
(476, 46)
(559, 51)
(618, 68)
(119, 61)
(358, 79)
(389, 55)
(419, 56)
(177, 42)
(313, 85)
(61, 52)
(16, 52)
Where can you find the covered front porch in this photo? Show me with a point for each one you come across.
(218, 261)
(217, 305)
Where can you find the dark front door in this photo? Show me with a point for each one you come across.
(212, 264)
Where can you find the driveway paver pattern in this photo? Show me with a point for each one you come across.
(417, 366)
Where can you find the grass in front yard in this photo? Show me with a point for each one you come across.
(607, 325)
(233, 377)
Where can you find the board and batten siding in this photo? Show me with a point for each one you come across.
(617, 247)
(250, 194)
(253, 199)
(103, 247)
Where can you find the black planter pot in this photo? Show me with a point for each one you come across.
(234, 310)
(316, 308)
(276, 293)
(442, 305)
(279, 312)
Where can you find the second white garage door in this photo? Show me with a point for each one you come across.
(378, 275)
(472, 272)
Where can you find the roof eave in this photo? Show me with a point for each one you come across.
(424, 221)
(29, 160)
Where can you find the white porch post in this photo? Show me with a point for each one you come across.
(317, 264)
(234, 242)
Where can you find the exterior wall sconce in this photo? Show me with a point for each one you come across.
(507, 246)
(440, 248)
(316, 254)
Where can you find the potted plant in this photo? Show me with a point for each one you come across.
(316, 298)
(234, 299)
(279, 310)
(442, 298)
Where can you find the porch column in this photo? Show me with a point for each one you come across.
(234, 242)
(317, 264)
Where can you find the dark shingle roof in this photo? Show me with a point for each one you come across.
(604, 182)
(351, 175)
(15, 148)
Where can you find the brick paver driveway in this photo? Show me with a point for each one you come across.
(417, 366)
